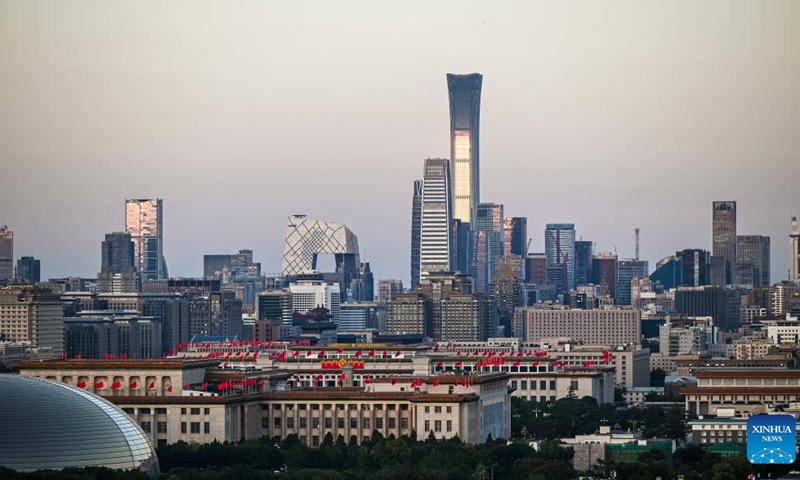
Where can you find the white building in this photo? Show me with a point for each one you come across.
(436, 232)
(594, 327)
(310, 294)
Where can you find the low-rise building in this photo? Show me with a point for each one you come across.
(746, 391)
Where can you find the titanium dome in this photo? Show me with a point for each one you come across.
(51, 425)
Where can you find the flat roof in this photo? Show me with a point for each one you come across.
(123, 364)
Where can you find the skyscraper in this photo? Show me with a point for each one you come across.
(723, 228)
(436, 217)
(144, 222)
(752, 260)
(416, 229)
(695, 266)
(515, 236)
(628, 269)
(605, 272)
(118, 253)
(559, 246)
(29, 270)
(6, 255)
(489, 219)
(465, 114)
(794, 251)
(583, 262)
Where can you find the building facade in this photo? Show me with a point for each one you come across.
(144, 222)
(29, 270)
(489, 219)
(559, 246)
(34, 316)
(752, 261)
(593, 327)
(416, 231)
(794, 251)
(723, 245)
(6, 255)
(436, 229)
(465, 116)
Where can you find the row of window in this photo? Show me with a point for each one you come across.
(161, 427)
(302, 422)
(163, 411)
(523, 384)
(437, 425)
(338, 406)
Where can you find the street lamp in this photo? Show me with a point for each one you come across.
(493, 470)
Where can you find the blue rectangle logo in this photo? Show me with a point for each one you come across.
(771, 439)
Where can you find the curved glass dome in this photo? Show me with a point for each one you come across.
(51, 425)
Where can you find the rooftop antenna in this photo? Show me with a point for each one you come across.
(637, 242)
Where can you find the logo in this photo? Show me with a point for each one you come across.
(771, 439)
(338, 364)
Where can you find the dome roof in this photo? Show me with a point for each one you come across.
(51, 425)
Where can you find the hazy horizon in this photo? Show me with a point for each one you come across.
(241, 114)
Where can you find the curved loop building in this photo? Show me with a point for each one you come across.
(306, 238)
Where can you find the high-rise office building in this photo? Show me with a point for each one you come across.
(117, 253)
(436, 224)
(310, 294)
(627, 270)
(559, 246)
(388, 289)
(794, 251)
(144, 222)
(489, 219)
(723, 244)
(515, 236)
(6, 255)
(29, 270)
(583, 262)
(536, 268)
(695, 267)
(416, 231)
(752, 260)
(605, 272)
(465, 115)
(32, 314)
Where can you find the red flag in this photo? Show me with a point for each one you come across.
(385, 353)
(589, 363)
(82, 384)
(436, 382)
(436, 348)
(272, 355)
(308, 353)
(172, 352)
(282, 357)
(341, 377)
(372, 353)
(318, 378)
(186, 386)
(78, 356)
(255, 356)
(152, 386)
(440, 364)
(321, 354)
(519, 354)
(62, 356)
(367, 381)
(98, 385)
(535, 364)
(358, 354)
(515, 364)
(394, 381)
(398, 353)
(203, 386)
(116, 385)
(458, 354)
(169, 389)
(134, 384)
(459, 363)
(296, 353)
(340, 350)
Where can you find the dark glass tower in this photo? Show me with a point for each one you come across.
(416, 231)
(723, 246)
(465, 115)
(583, 262)
(117, 253)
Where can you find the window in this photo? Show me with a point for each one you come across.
(315, 407)
(449, 409)
(327, 406)
(276, 422)
(340, 406)
(392, 407)
(195, 411)
(161, 411)
(449, 426)
(277, 406)
(183, 425)
(404, 407)
(404, 423)
(542, 385)
(144, 411)
(206, 411)
(206, 427)
(161, 427)
(437, 409)
(146, 427)
(392, 423)
(573, 384)
(353, 423)
(378, 423)
(379, 406)
(303, 406)
(340, 423)
(315, 441)
(315, 422)
(290, 423)
(129, 411)
(352, 407)
(514, 384)
(437, 425)
(328, 423)
(427, 425)
(552, 384)
(303, 422)
(195, 427)
(427, 409)
(524, 384)
(183, 411)
(365, 423)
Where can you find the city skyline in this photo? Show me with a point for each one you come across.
(600, 118)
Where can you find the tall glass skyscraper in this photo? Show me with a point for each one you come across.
(436, 220)
(144, 222)
(559, 246)
(465, 115)
(6, 255)
(416, 227)
(489, 219)
(723, 245)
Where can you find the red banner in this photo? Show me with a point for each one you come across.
(338, 364)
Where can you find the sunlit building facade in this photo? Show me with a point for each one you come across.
(144, 222)
(465, 112)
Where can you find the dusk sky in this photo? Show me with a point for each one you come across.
(609, 115)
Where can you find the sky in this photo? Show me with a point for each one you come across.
(609, 115)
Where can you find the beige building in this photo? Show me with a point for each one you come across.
(593, 327)
(632, 364)
(34, 316)
(746, 391)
